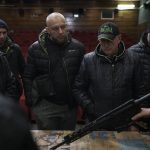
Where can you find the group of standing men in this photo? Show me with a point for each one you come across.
(58, 77)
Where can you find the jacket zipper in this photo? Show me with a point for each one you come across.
(113, 69)
(66, 74)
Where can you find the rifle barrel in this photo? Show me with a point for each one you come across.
(58, 145)
(101, 119)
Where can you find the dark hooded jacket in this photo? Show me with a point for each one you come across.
(59, 62)
(143, 50)
(106, 83)
(15, 60)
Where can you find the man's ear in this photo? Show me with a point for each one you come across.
(119, 37)
(47, 30)
(148, 38)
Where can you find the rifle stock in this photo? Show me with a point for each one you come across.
(120, 118)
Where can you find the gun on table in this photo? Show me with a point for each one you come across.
(122, 114)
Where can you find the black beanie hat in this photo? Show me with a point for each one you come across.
(3, 24)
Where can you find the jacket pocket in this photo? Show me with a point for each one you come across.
(45, 86)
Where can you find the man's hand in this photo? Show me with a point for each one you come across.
(90, 112)
(145, 113)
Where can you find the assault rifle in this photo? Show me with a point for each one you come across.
(116, 119)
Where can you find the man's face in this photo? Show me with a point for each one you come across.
(148, 38)
(3, 35)
(110, 48)
(56, 27)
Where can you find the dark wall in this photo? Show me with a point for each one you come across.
(26, 17)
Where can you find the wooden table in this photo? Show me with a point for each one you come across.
(99, 140)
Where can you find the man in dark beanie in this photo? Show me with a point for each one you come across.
(3, 24)
(13, 54)
(3, 31)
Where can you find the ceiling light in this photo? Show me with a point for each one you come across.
(76, 15)
(125, 6)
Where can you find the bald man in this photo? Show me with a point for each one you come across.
(52, 64)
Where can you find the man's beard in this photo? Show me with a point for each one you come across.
(62, 41)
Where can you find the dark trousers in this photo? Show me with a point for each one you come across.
(50, 116)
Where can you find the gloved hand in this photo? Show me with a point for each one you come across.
(89, 110)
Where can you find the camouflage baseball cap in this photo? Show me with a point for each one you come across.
(108, 31)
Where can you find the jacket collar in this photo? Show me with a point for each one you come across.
(42, 40)
(143, 38)
(115, 58)
(143, 43)
(6, 47)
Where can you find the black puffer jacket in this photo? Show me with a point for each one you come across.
(7, 80)
(16, 61)
(143, 50)
(42, 59)
(107, 83)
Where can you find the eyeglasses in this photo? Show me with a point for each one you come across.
(57, 27)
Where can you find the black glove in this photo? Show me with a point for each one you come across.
(89, 110)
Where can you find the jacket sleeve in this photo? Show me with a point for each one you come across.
(138, 77)
(28, 76)
(20, 69)
(10, 81)
(21, 61)
(81, 86)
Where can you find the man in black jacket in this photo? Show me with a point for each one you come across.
(109, 76)
(52, 64)
(142, 48)
(13, 54)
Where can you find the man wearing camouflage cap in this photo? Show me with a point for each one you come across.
(108, 76)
